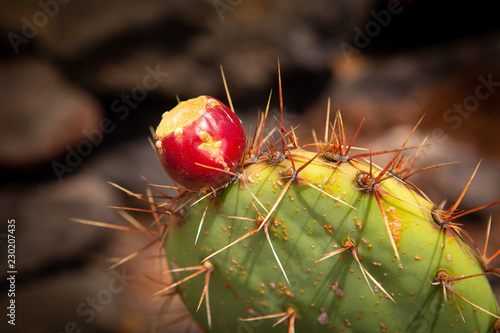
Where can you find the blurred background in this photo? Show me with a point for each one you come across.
(82, 82)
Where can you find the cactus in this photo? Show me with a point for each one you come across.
(315, 237)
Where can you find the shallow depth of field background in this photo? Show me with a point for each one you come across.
(82, 82)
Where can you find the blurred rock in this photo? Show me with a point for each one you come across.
(131, 165)
(41, 113)
(68, 29)
(190, 40)
(402, 87)
(71, 300)
(45, 236)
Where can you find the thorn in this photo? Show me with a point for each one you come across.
(277, 202)
(146, 200)
(483, 259)
(452, 209)
(133, 254)
(335, 149)
(266, 231)
(444, 280)
(289, 314)
(487, 238)
(387, 227)
(349, 245)
(353, 138)
(287, 186)
(254, 147)
(402, 162)
(327, 124)
(445, 218)
(113, 226)
(371, 184)
(251, 232)
(282, 123)
(262, 224)
(201, 222)
(326, 193)
(263, 124)
(206, 268)
(227, 90)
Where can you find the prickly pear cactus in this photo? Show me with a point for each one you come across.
(268, 235)
(323, 241)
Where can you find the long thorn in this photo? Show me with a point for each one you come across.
(201, 269)
(251, 232)
(205, 293)
(259, 145)
(333, 253)
(277, 202)
(487, 237)
(113, 226)
(206, 268)
(132, 255)
(353, 138)
(326, 193)
(327, 124)
(275, 255)
(365, 273)
(289, 314)
(387, 227)
(227, 90)
(454, 207)
(201, 223)
(456, 216)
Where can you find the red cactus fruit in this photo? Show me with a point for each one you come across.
(200, 143)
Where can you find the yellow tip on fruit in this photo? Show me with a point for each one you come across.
(180, 116)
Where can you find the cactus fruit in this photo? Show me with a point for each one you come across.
(318, 240)
(198, 133)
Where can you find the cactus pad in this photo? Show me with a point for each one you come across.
(274, 228)
(315, 238)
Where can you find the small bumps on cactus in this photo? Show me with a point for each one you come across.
(279, 238)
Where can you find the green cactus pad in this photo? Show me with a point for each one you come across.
(310, 214)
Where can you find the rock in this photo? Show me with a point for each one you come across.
(190, 40)
(45, 236)
(68, 29)
(41, 113)
(67, 301)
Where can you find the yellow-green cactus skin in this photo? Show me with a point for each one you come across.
(308, 240)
